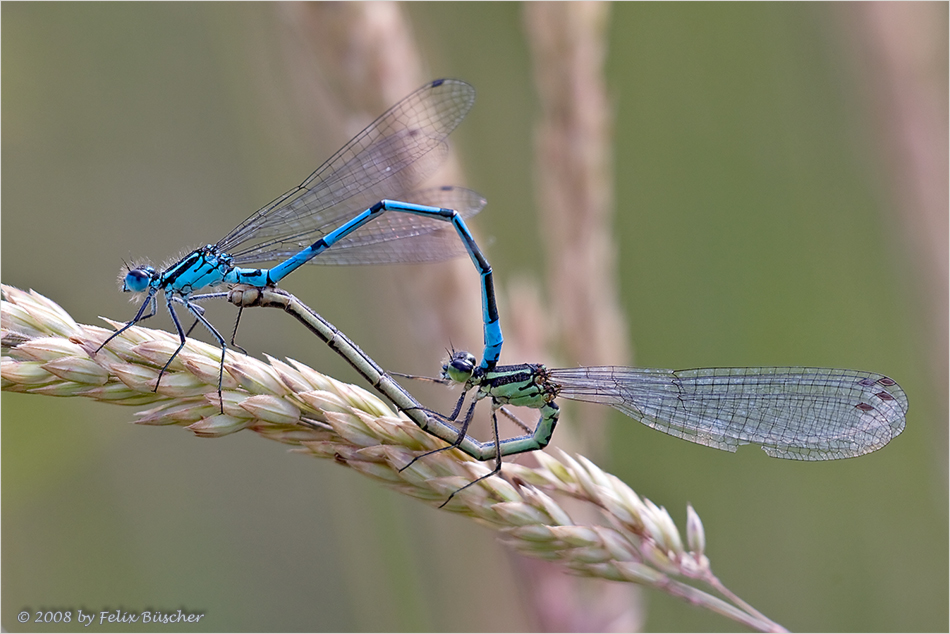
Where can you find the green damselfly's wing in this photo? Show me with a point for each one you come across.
(794, 412)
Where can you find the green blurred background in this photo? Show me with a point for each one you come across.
(756, 223)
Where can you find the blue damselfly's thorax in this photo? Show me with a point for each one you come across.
(204, 267)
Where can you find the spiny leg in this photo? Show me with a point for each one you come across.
(418, 377)
(237, 322)
(495, 471)
(194, 309)
(452, 419)
(458, 406)
(517, 421)
(181, 336)
(200, 298)
(151, 313)
(188, 332)
(199, 317)
(149, 301)
(207, 324)
(462, 433)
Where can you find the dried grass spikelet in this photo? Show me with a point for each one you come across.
(46, 352)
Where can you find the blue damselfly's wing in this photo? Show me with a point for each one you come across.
(395, 237)
(399, 237)
(795, 413)
(392, 156)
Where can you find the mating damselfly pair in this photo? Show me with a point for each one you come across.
(363, 207)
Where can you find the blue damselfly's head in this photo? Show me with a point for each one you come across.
(459, 367)
(136, 279)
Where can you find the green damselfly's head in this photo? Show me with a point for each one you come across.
(460, 366)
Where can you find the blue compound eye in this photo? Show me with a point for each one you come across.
(136, 280)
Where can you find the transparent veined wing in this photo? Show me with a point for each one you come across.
(393, 155)
(791, 412)
(394, 237)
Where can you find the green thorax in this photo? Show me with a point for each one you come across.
(524, 385)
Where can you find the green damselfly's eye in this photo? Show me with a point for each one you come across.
(459, 367)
